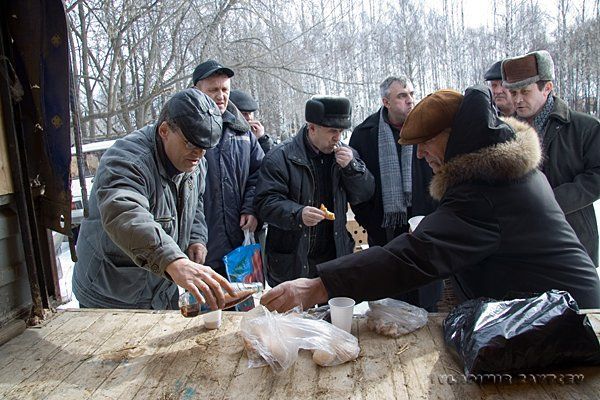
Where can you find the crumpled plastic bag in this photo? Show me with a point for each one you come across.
(274, 339)
(244, 264)
(394, 318)
(521, 335)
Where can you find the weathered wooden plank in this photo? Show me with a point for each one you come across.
(125, 380)
(46, 378)
(251, 383)
(117, 354)
(217, 362)
(171, 365)
(38, 348)
(26, 341)
(373, 375)
(116, 349)
(297, 382)
(421, 364)
(184, 359)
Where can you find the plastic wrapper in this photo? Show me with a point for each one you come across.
(521, 335)
(275, 340)
(244, 264)
(394, 318)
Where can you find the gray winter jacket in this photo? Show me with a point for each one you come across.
(284, 188)
(134, 229)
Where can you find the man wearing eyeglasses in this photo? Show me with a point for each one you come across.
(146, 232)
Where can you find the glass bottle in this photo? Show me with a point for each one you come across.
(189, 306)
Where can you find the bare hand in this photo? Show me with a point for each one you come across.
(312, 216)
(343, 155)
(249, 222)
(201, 281)
(197, 252)
(257, 128)
(301, 292)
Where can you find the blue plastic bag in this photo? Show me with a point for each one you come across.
(244, 264)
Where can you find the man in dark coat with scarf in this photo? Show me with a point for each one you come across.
(570, 142)
(498, 230)
(232, 169)
(312, 169)
(401, 179)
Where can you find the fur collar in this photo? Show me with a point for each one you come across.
(502, 162)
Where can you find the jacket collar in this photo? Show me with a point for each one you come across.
(234, 120)
(297, 152)
(506, 161)
(560, 111)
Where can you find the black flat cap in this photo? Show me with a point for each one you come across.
(197, 116)
(209, 67)
(243, 101)
(494, 73)
(329, 111)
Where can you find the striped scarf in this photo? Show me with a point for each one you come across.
(396, 176)
(541, 120)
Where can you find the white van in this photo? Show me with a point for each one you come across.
(92, 152)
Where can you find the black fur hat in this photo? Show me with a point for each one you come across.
(329, 111)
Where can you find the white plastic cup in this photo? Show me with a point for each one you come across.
(414, 222)
(212, 320)
(341, 309)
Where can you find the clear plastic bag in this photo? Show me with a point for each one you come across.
(244, 264)
(275, 339)
(394, 318)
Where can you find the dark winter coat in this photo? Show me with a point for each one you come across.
(572, 167)
(285, 187)
(231, 181)
(365, 140)
(498, 229)
(266, 143)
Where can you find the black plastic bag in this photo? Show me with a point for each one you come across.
(521, 335)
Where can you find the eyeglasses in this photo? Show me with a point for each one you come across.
(188, 145)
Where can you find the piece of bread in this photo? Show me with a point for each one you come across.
(328, 214)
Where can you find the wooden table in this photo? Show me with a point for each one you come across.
(161, 355)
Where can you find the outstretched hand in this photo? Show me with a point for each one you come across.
(201, 281)
(301, 292)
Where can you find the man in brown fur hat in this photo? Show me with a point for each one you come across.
(498, 231)
(570, 142)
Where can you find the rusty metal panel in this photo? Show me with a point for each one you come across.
(40, 50)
